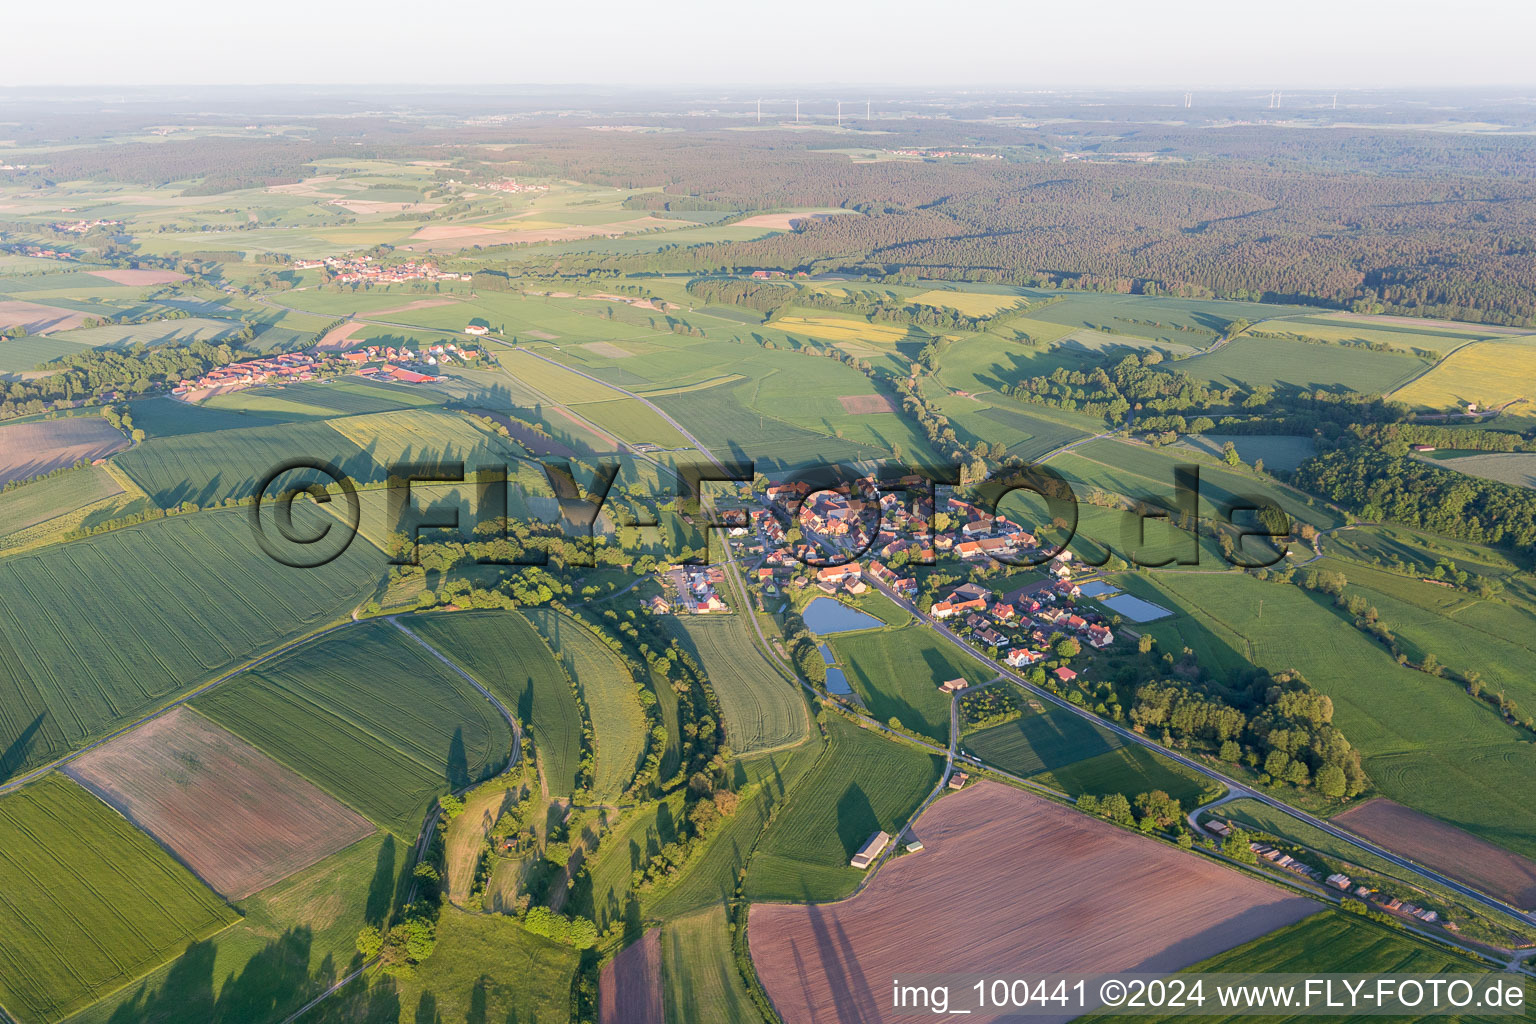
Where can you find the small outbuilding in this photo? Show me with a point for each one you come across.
(870, 850)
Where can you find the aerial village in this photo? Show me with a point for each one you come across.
(372, 362)
(364, 270)
(791, 530)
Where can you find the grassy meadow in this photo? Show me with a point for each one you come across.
(370, 717)
(1332, 941)
(897, 672)
(90, 903)
(151, 610)
(862, 783)
(1066, 752)
(292, 942)
(506, 655)
(1299, 366)
(700, 980)
(1424, 741)
(618, 724)
(762, 708)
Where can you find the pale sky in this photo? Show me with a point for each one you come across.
(983, 43)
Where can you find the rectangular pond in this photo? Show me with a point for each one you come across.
(825, 615)
(1134, 608)
(837, 682)
(1098, 588)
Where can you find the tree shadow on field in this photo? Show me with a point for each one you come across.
(381, 891)
(856, 819)
(458, 762)
(269, 986)
(426, 1009)
(479, 1008)
(16, 751)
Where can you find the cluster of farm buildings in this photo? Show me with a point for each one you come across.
(1338, 880)
(80, 227)
(695, 590)
(939, 154)
(363, 269)
(381, 362)
(40, 252)
(513, 186)
(292, 366)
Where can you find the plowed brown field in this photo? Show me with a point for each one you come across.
(861, 405)
(237, 818)
(1010, 884)
(1445, 848)
(629, 991)
(31, 449)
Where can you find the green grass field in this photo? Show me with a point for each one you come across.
(1137, 471)
(1336, 942)
(292, 942)
(634, 421)
(1194, 322)
(897, 674)
(349, 396)
(639, 835)
(371, 717)
(618, 725)
(1386, 545)
(1399, 332)
(862, 783)
(41, 500)
(205, 468)
(89, 902)
(486, 967)
(700, 982)
(1028, 431)
(763, 710)
(1282, 452)
(1129, 770)
(217, 464)
(169, 417)
(1059, 749)
(509, 658)
(1297, 365)
(1041, 741)
(710, 878)
(1425, 743)
(1517, 469)
(1495, 638)
(18, 355)
(106, 628)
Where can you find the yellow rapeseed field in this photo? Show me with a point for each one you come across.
(1489, 373)
(833, 328)
(969, 303)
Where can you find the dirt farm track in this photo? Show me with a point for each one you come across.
(1008, 882)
